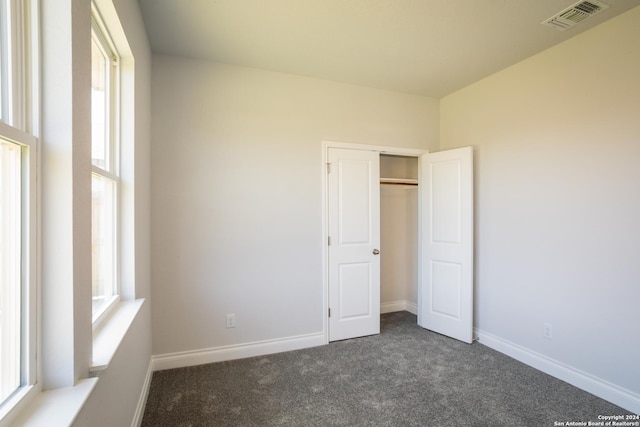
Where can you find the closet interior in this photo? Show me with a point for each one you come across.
(398, 233)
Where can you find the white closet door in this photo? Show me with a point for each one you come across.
(354, 231)
(446, 210)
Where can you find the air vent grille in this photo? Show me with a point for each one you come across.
(575, 14)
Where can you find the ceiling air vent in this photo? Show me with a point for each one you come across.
(575, 14)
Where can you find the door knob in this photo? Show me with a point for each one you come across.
(376, 252)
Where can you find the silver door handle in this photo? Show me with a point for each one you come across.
(376, 252)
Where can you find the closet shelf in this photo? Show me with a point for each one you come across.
(399, 181)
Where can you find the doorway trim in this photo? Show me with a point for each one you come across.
(326, 145)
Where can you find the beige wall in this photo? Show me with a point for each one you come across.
(237, 194)
(557, 149)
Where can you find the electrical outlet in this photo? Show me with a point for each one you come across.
(231, 320)
(548, 331)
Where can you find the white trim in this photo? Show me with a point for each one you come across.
(17, 135)
(236, 351)
(325, 246)
(382, 149)
(144, 394)
(617, 395)
(393, 306)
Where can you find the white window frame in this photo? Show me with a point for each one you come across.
(19, 125)
(100, 32)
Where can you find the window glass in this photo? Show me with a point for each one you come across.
(4, 51)
(105, 180)
(10, 266)
(99, 106)
(103, 243)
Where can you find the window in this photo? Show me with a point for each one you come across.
(17, 201)
(4, 60)
(105, 181)
(10, 266)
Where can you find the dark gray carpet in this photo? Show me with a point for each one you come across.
(406, 376)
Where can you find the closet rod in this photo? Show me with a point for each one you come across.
(398, 183)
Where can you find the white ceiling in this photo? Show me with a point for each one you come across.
(426, 47)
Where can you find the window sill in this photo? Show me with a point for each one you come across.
(61, 406)
(107, 338)
(56, 407)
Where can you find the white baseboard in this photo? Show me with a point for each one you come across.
(617, 395)
(393, 306)
(142, 401)
(238, 351)
(258, 348)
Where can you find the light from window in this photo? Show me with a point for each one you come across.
(4, 51)
(100, 143)
(103, 214)
(10, 266)
(104, 180)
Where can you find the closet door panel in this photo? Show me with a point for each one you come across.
(446, 217)
(354, 232)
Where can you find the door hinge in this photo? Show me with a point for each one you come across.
(328, 167)
(329, 312)
(329, 240)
